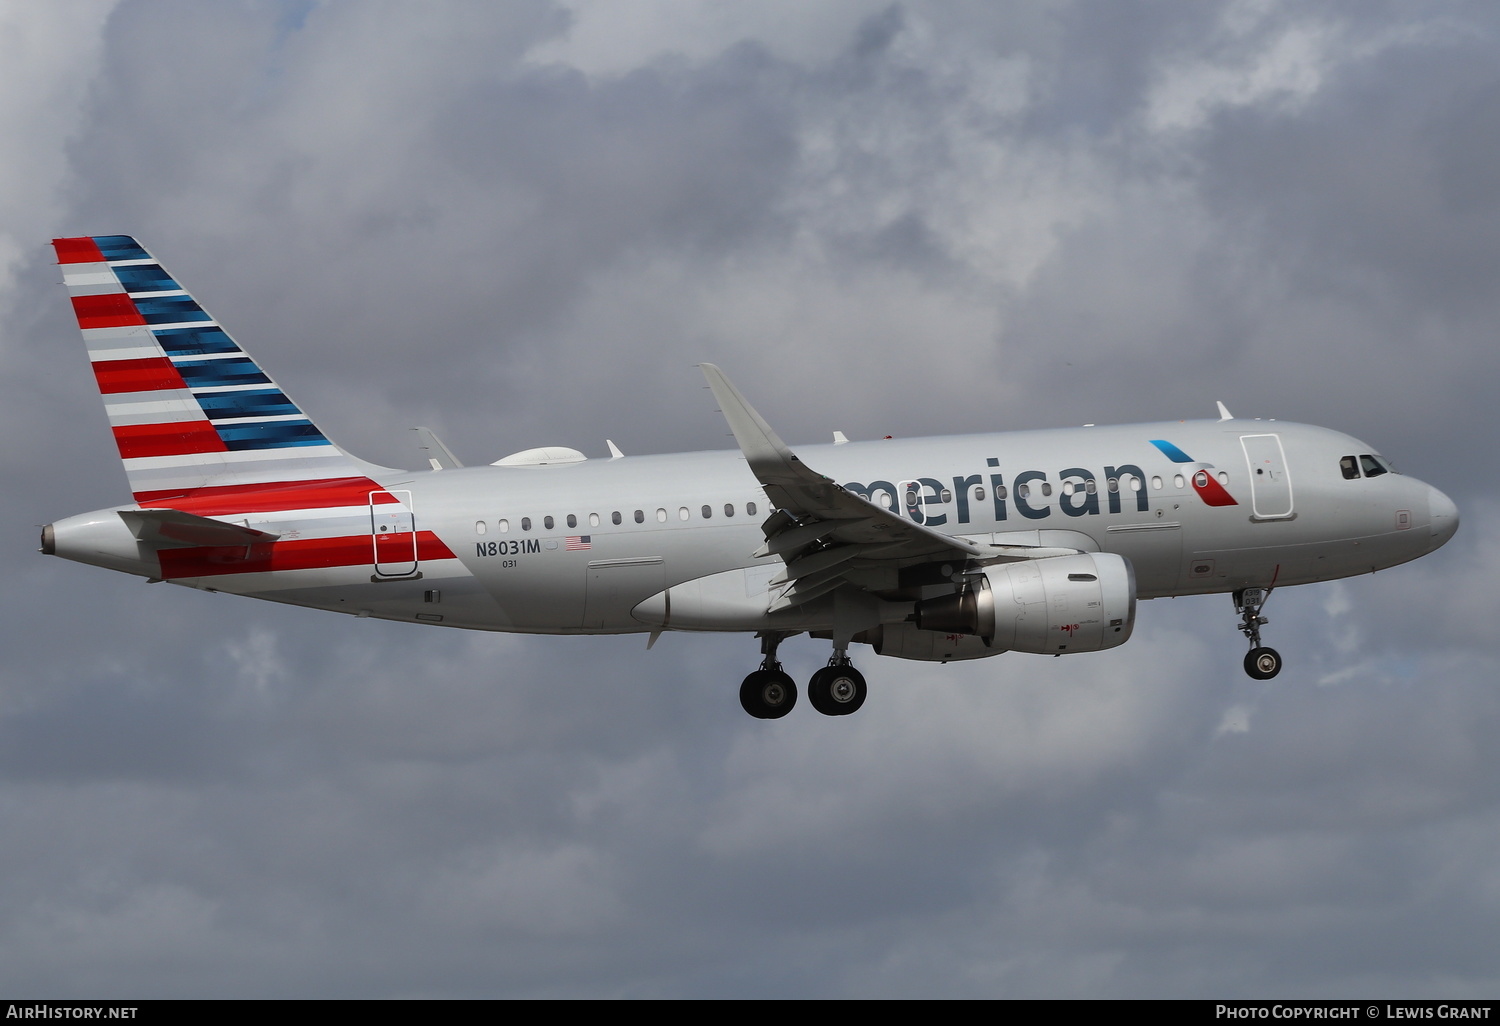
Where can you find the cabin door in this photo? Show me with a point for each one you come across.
(1270, 484)
(393, 534)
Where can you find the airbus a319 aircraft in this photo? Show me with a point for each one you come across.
(932, 549)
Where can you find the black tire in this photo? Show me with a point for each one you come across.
(1263, 663)
(768, 694)
(837, 690)
(817, 692)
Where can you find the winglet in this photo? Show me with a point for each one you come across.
(1224, 413)
(614, 450)
(760, 444)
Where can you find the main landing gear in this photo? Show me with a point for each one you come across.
(1260, 662)
(838, 689)
(768, 693)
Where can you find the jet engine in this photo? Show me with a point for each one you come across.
(1080, 603)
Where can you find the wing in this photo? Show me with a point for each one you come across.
(829, 537)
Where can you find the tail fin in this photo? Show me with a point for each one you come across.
(189, 409)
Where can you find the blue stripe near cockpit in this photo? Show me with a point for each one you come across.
(1171, 451)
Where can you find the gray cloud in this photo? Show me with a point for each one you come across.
(523, 225)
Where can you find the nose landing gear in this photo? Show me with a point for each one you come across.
(1261, 663)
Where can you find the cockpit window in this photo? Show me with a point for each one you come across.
(1374, 466)
(1350, 466)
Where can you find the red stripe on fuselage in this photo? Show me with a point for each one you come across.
(291, 554)
(111, 310)
(137, 440)
(1212, 492)
(224, 500)
(78, 251)
(151, 374)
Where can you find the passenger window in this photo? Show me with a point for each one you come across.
(708, 511)
(683, 514)
(1046, 487)
(1156, 483)
(1023, 492)
(505, 527)
(547, 522)
(1223, 478)
(480, 527)
(1114, 484)
(946, 496)
(525, 523)
(594, 520)
(615, 518)
(661, 516)
(1177, 482)
(572, 520)
(979, 493)
(1349, 467)
(640, 516)
(729, 509)
(749, 509)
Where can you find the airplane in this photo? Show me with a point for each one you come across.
(934, 549)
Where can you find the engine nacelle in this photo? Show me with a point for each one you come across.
(1082, 603)
(907, 641)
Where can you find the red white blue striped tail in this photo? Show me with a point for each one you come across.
(188, 408)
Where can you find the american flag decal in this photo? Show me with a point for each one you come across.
(579, 543)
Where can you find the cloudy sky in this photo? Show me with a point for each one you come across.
(522, 224)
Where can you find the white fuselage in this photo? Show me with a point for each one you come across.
(652, 526)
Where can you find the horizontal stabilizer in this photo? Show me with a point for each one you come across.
(172, 529)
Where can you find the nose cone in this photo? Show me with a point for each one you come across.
(1442, 515)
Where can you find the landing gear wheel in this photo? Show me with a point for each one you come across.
(768, 694)
(1263, 663)
(837, 690)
